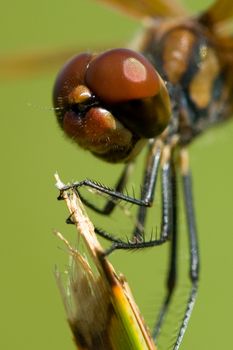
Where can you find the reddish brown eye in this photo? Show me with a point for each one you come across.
(69, 79)
(102, 134)
(121, 75)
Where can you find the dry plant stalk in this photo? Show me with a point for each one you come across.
(100, 308)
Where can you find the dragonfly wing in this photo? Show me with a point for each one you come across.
(149, 8)
(219, 19)
(221, 10)
(225, 45)
(29, 64)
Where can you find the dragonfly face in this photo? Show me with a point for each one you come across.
(110, 112)
(188, 87)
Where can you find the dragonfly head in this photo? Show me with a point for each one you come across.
(111, 103)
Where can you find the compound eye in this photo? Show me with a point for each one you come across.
(71, 76)
(121, 75)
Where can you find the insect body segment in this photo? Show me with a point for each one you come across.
(186, 55)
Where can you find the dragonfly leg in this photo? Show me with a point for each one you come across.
(138, 241)
(150, 179)
(146, 200)
(194, 263)
(110, 203)
(172, 269)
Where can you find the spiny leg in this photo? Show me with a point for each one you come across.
(110, 204)
(172, 269)
(145, 201)
(166, 221)
(149, 182)
(148, 189)
(193, 245)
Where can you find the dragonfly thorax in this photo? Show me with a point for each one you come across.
(185, 56)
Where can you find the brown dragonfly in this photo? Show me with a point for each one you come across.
(188, 62)
(119, 101)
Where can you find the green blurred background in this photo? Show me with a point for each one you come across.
(33, 148)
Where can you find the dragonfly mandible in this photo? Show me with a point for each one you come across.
(119, 101)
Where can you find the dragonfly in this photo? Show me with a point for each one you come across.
(177, 84)
(191, 58)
